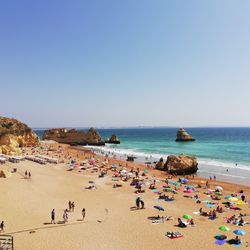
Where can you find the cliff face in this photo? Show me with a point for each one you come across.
(113, 140)
(14, 135)
(73, 136)
(182, 136)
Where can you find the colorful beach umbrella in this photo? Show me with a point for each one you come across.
(228, 197)
(240, 202)
(224, 228)
(183, 180)
(189, 187)
(233, 199)
(239, 232)
(220, 242)
(187, 216)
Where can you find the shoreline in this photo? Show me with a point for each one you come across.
(203, 170)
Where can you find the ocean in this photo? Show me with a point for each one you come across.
(224, 152)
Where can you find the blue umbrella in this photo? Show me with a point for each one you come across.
(228, 197)
(220, 242)
(239, 232)
(183, 180)
(189, 187)
(159, 208)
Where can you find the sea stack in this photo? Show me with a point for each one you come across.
(183, 136)
(113, 140)
(14, 135)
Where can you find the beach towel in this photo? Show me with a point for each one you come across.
(155, 190)
(211, 205)
(197, 213)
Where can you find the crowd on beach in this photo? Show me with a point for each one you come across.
(168, 189)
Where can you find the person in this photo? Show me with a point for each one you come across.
(137, 202)
(65, 216)
(2, 226)
(142, 204)
(214, 178)
(237, 240)
(181, 224)
(53, 217)
(29, 175)
(73, 206)
(70, 206)
(241, 222)
(26, 174)
(191, 222)
(83, 213)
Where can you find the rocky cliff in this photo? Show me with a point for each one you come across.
(181, 164)
(73, 136)
(14, 135)
(182, 136)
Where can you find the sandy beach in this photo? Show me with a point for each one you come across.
(110, 223)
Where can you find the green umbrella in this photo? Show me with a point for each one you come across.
(224, 228)
(187, 216)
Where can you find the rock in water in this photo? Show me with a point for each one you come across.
(181, 164)
(182, 136)
(113, 140)
(14, 135)
(73, 137)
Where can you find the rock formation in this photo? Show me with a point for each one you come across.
(14, 135)
(182, 136)
(160, 164)
(181, 164)
(73, 136)
(113, 140)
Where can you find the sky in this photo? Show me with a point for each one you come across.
(125, 63)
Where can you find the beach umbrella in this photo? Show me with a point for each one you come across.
(189, 187)
(239, 232)
(187, 216)
(220, 237)
(220, 242)
(241, 202)
(224, 228)
(228, 197)
(159, 208)
(233, 199)
(219, 188)
(183, 180)
(176, 183)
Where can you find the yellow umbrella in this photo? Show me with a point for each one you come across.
(240, 202)
(233, 199)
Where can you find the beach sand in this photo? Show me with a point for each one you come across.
(26, 205)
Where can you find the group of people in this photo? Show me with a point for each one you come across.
(27, 175)
(66, 213)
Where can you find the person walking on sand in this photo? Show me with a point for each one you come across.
(83, 213)
(73, 206)
(53, 217)
(137, 201)
(142, 204)
(29, 175)
(2, 227)
(26, 174)
(65, 216)
(70, 206)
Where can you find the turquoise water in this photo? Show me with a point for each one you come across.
(217, 149)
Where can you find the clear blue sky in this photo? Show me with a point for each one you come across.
(125, 62)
